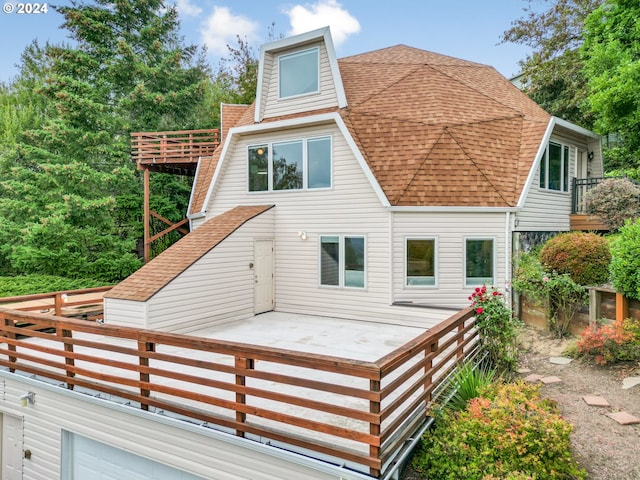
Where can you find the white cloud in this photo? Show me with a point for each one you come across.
(187, 8)
(304, 18)
(222, 27)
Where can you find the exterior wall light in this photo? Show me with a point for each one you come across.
(302, 235)
(28, 398)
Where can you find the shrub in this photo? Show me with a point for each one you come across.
(467, 380)
(496, 326)
(585, 257)
(611, 344)
(28, 284)
(558, 293)
(508, 432)
(613, 201)
(625, 262)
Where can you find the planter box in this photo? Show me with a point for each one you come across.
(535, 315)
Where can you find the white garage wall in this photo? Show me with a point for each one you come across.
(186, 447)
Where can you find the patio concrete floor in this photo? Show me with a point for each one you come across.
(353, 339)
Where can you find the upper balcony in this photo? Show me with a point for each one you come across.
(579, 219)
(174, 152)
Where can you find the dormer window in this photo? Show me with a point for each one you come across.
(299, 73)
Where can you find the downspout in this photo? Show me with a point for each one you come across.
(507, 256)
(399, 462)
(391, 293)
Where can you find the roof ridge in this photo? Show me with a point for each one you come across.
(415, 173)
(413, 70)
(482, 92)
(453, 125)
(475, 164)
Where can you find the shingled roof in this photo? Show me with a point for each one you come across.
(435, 130)
(153, 276)
(440, 131)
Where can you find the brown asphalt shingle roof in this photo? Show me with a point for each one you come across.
(153, 276)
(440, 131)
(435, 130)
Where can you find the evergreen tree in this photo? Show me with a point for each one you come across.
(70, 197)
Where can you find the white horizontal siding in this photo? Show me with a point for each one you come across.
(350, 207)
(186, 447)
(450, 231)
(274, 107)
(217, 288)
(548, 210)
(125, 312)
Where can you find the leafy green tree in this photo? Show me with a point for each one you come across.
(611, 55)
(553, 74)
(68, 186)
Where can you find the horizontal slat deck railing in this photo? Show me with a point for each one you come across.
(357, 411)
(185, 146)
(55, 301)
(414, 371)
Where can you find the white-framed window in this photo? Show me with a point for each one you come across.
(343, 261)
(299, 73)
(479, 261)
(554, 167)
(420, 262)
(290, 165)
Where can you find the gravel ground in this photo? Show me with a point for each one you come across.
(607, 450)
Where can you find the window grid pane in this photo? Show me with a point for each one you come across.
(258, 168)
(421, 262)
(319, 161)
(565, 167)
(555, 166)
(287, 166)
(354, 262)
(479, 262)
(330, 261)
(299, 73)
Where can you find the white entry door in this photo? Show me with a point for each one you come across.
(263, 292)
(11, 447)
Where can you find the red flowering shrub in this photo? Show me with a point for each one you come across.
(496, 327)
(611, 344)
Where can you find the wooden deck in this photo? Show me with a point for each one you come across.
(587, 223)
(355, 411)
(175, 152)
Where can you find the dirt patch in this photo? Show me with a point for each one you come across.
(607, 450)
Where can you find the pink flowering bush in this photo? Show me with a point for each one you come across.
(496, 326)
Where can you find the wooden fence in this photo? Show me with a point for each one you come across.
(356, 411)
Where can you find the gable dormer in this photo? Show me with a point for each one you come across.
(297, 75)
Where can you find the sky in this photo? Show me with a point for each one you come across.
(467, 29)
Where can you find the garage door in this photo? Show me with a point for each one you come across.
(88, 459)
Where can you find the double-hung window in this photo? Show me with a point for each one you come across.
(420, 256)
(291, 165)
(479, 261)
(299, 73)
(554, 167)
(342, 261)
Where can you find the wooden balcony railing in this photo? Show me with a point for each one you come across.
(62, 303)
(179, 148)
(356, 411)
